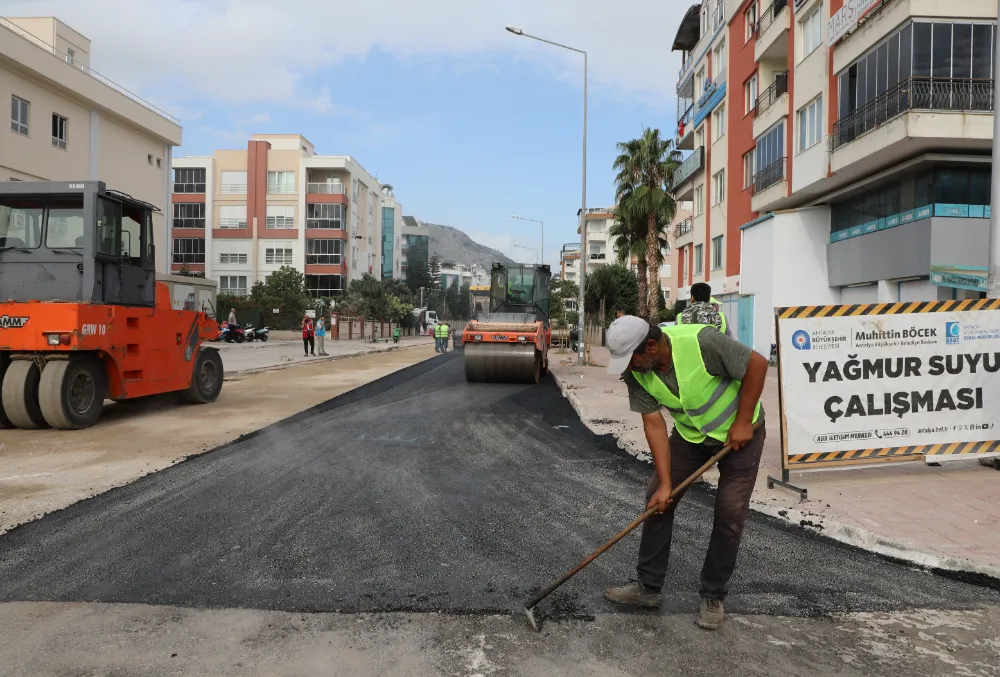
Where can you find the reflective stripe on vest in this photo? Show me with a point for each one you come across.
(707, 404)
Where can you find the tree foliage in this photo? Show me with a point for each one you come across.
(561, 291)
(609, 288)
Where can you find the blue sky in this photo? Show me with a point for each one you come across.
(469, 123)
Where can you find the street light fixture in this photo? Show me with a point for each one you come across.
(529, 249)
(541, 255)
(583, 206)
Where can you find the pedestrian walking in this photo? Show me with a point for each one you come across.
(711, 385)
(308, 342)
(232, 317)
(321, 334)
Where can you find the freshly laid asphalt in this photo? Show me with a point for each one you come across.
(421, 492)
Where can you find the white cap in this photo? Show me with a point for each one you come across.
(624, 336)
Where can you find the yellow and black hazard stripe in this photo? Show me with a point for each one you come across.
(956, 448)
(903, 308)
(859, 455)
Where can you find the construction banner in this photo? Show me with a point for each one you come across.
(889, 382)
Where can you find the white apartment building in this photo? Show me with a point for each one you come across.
(68, 122)
(239, 215)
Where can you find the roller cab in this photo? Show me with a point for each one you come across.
(511, 344)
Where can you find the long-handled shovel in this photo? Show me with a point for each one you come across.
(529, 606)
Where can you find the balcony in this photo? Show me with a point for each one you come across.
(769, 185)
(324, 224)
(325, 189)
(772, 105)
(685, 130)
(694, 163)
(234, 188)
(280, 189)
(772, 32)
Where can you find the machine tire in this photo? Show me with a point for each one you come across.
(263, 337)
(20, 395)
(239, 338)
(71, 392)
(4, 421)
(206, 378)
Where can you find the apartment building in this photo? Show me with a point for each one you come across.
(70, 123)
(239, 215)
(600, 246)
(415, 252)
(706, 241)
(870, 146)
(569, 262)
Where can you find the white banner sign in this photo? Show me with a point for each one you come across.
(889, 381)
(846, 18)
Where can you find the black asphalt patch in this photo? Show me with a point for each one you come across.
(421, 492)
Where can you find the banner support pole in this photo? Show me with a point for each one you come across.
(784, 481)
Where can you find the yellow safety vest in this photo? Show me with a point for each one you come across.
(707, 404)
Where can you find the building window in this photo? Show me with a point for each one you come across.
(324, 285)
(699, 259)
(750, 21)
(329, 216)
(280, 217)
(281, 183)
(717, 252)
(701, 84)
(810, 29)
(719, 118)
(70, 56)
(233, 216)
(770, 157)
(233, 259)
(189, 250)
(324, 252)
(699, 137)
(189, 215)
(751, 92)
(719, 61)
(60, 130)
(749, 168)
(810, 124)
(719, 187)
(19, 115)
(233, 285)
(189, 180)
(699, 200)
(234, 183)
(277, 256)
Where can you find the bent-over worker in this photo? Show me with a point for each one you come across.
(711, 386)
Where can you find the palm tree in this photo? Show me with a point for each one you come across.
(645, 169)
(629, 240)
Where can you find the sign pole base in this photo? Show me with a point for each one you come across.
(784, 483)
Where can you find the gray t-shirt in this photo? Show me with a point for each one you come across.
(723, 356)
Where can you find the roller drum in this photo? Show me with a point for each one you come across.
(502, 363)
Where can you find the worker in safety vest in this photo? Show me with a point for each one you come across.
(437, 338)
(711, 385)
(441, 332)
(704, 309)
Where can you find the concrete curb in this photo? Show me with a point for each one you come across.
(314, 360)
(837, 531)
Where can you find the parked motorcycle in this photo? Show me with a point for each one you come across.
(232, 333)
(257, 334)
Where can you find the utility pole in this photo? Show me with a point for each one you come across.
(993, 264)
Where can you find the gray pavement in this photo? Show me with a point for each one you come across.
(421, 493)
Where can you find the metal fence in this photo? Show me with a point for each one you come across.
(769, 176)
(768, 16)
(770, 95)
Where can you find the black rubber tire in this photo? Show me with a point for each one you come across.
(72, 392)
(4, 421)
(20, 395)
(263, 337)
(206, 378)
(239, 338)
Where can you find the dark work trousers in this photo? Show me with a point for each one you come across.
(737, 474)
(309, 344)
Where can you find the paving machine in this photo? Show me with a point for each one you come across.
(510, 343)
(83, 316)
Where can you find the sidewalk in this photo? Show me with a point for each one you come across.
(940, 517)
(248, 358)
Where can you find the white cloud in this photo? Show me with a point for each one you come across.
(261, 50)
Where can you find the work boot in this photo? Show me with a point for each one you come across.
(711, 614)
(634, 594)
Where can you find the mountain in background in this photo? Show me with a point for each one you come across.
(451, 244)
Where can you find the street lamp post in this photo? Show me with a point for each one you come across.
(529, 249)
(993, 260)
(541, 255)
(583, 204)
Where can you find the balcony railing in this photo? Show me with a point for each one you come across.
(683, 228)
(233, 222)
(915, 93)
(324, 224)
(326, 189)
(65, 57)
(280, 189)
(768, 16)
(234, 189)
(771, 175)
(770, 95)
(694, 162)
(192, 188)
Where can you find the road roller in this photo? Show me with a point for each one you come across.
(510, 342)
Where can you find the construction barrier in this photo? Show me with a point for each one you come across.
(887, 383)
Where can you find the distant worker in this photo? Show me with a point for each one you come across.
(308, 342)
(321, 334)
(445, 330)
(704, 309)
(711, 384)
